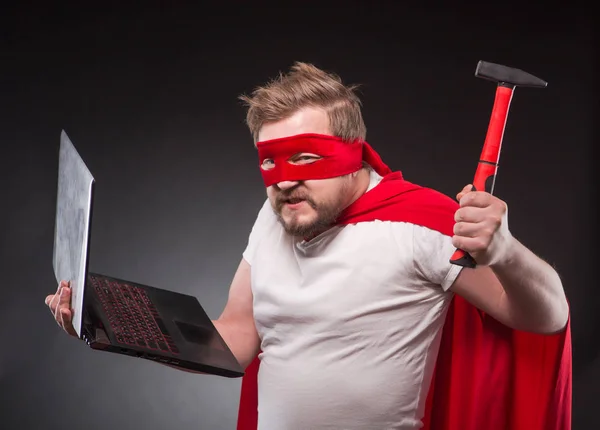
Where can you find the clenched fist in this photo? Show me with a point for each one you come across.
(481, 227)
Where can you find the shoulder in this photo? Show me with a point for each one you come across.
(265, 219)
(430, 197)
(431, 209)
(266, 222)
(398, 200)
(266, 211)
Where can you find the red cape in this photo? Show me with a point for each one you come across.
(487, 376)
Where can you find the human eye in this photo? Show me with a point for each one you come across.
(305, 158)
(267, 164)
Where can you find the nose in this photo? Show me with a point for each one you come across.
(286, 185)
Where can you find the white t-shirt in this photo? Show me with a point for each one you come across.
(349, 322)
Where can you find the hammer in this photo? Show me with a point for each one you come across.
(507, 79)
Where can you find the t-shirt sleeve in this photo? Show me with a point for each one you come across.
(264, 221)
(432, 251)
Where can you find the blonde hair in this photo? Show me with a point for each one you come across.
(303, 86)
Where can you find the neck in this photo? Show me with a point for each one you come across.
(360, 184)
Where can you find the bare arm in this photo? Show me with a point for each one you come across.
(236, 323)
(521, 291)
(512, 284)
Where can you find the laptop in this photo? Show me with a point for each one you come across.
(120, 316)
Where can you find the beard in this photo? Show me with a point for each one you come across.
(326, 213)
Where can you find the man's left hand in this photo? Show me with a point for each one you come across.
(481, 227)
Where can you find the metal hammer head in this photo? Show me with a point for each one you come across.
(507, 76)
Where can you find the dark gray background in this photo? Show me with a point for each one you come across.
(149, 96)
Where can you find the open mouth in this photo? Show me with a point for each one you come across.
(293, 203)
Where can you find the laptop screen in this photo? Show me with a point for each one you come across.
(72, 224)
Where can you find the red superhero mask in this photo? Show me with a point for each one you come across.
(338, 158)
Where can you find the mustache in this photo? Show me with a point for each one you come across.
(293, 196)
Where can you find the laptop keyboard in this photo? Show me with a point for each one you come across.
(132, 316)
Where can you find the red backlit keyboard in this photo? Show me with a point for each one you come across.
(132, 317)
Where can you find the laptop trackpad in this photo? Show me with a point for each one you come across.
(199, 335)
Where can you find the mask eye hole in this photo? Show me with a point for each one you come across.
(267, 164)
(304, 158)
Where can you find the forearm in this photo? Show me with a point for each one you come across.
(242, 341)
(534, 291)
(241, 338)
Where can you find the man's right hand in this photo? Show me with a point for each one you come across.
(60, 306)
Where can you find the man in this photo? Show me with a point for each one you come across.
(345, 288)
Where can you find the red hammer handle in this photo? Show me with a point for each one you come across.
(487, 167)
